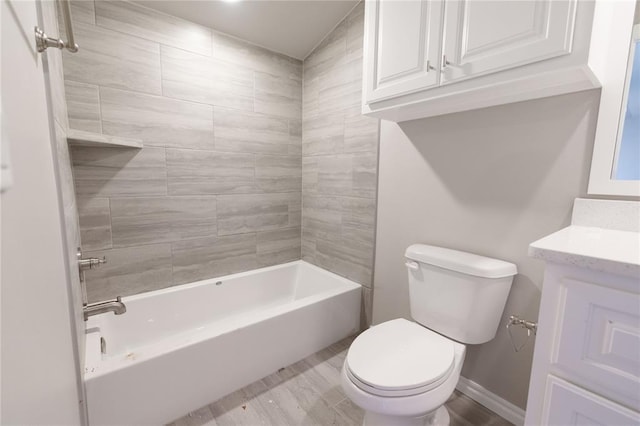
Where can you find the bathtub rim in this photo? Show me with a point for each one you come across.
(97, 366)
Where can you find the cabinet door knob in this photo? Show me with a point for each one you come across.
(445, 63)
(429, 66)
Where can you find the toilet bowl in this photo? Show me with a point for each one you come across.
(401, 374)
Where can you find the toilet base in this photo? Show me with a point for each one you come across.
(439, 417)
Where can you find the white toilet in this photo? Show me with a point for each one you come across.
(402, 372)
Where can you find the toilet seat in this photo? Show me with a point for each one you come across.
(399, 358)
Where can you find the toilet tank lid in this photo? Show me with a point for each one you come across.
(460, 261)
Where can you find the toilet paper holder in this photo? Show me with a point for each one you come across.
(530, 326)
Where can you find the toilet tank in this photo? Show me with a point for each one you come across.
(460, 295)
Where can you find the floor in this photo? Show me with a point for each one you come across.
(309, 393)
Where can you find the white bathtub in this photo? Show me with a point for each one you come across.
(178, 349)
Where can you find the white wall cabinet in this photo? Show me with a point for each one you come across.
(407, 57)
(432, 57)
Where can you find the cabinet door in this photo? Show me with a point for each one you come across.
(402, 47)
(483, 37)
(569, 405)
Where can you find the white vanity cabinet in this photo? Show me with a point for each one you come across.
(587, 355)
(586, 363)
(431, 57)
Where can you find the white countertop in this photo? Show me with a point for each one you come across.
(600, 249)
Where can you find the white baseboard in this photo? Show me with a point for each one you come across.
(493, 402)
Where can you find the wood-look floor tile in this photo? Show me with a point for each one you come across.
(351, 412)
(323, 379)
(200, 417)
(293, 396)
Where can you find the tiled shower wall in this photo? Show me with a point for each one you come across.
(339, 159)
(216, 188)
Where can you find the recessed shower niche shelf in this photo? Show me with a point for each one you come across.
(82, 138)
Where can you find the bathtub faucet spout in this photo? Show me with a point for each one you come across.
(116, 306)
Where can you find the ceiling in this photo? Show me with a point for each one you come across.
(291, 27)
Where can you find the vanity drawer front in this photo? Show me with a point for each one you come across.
(598, 340)
(566, 404)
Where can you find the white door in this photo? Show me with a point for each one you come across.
(482, 37)
(402, 47)
(41, 382)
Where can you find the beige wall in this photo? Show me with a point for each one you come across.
(490, 182)
(339, 159)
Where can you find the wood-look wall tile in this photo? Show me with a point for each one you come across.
(344, 174)
(279, 246)
(95, 223)
(82, 11)
(210, 257)
(359, 212)
(128, 271)
(308, 249)
(355, 32)
(366, 307)
(238, 214)
(124, 62)
(361, 133)
(198, 78)
(83, 106)
(150, 24)
(295, 131)
(349, 258)
(148, 220)
(310, 175)
(277, 95)
(310, 94)
(341, 88)
(238, 131)
(330, 52)
(156, 120)
(105, 172)
(365, 175)
(321, 216)
(335, 174)
(191, 172)
(238, 52)
(323, 134)
(276, 173)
